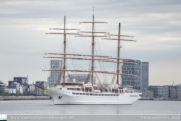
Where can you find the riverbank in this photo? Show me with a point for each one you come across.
(164, 99)
(3, 98)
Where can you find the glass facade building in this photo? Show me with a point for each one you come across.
(140, 69)
(55, 76)
(160, 91)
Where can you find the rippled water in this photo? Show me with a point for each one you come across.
(47, 107)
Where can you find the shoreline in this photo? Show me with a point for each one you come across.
(155, 99)
(7, 98)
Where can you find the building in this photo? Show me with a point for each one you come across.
(19, 88)
(172, 92)
(2, 87)
(39, 91)
(55, 76)
(21, 80)
(147, 94)
(12, 84)
(10, 91)
(141, 69)
(178, 91)
(31, 89)
(160, 91)
(20, 84)
(145, 75)
(25, 87)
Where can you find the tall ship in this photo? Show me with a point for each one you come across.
(74, 92)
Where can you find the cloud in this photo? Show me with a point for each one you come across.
(23, 24)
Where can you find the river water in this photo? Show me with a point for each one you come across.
(47, 107)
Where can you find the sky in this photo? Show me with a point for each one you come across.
(155, 25)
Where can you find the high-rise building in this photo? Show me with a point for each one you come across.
(141, 69)
(145, 74)
(55, 76)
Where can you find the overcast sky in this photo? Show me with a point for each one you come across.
(155, 24)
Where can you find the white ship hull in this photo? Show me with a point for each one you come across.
(64, 96)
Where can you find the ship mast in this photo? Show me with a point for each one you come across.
(119, 46)
(118, 53)
(64, 65)
(93, 42)
(92, 68)
(64, 33)
(93, 56)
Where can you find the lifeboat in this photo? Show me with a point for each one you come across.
(88, 85)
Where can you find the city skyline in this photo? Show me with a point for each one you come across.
(154, 24)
